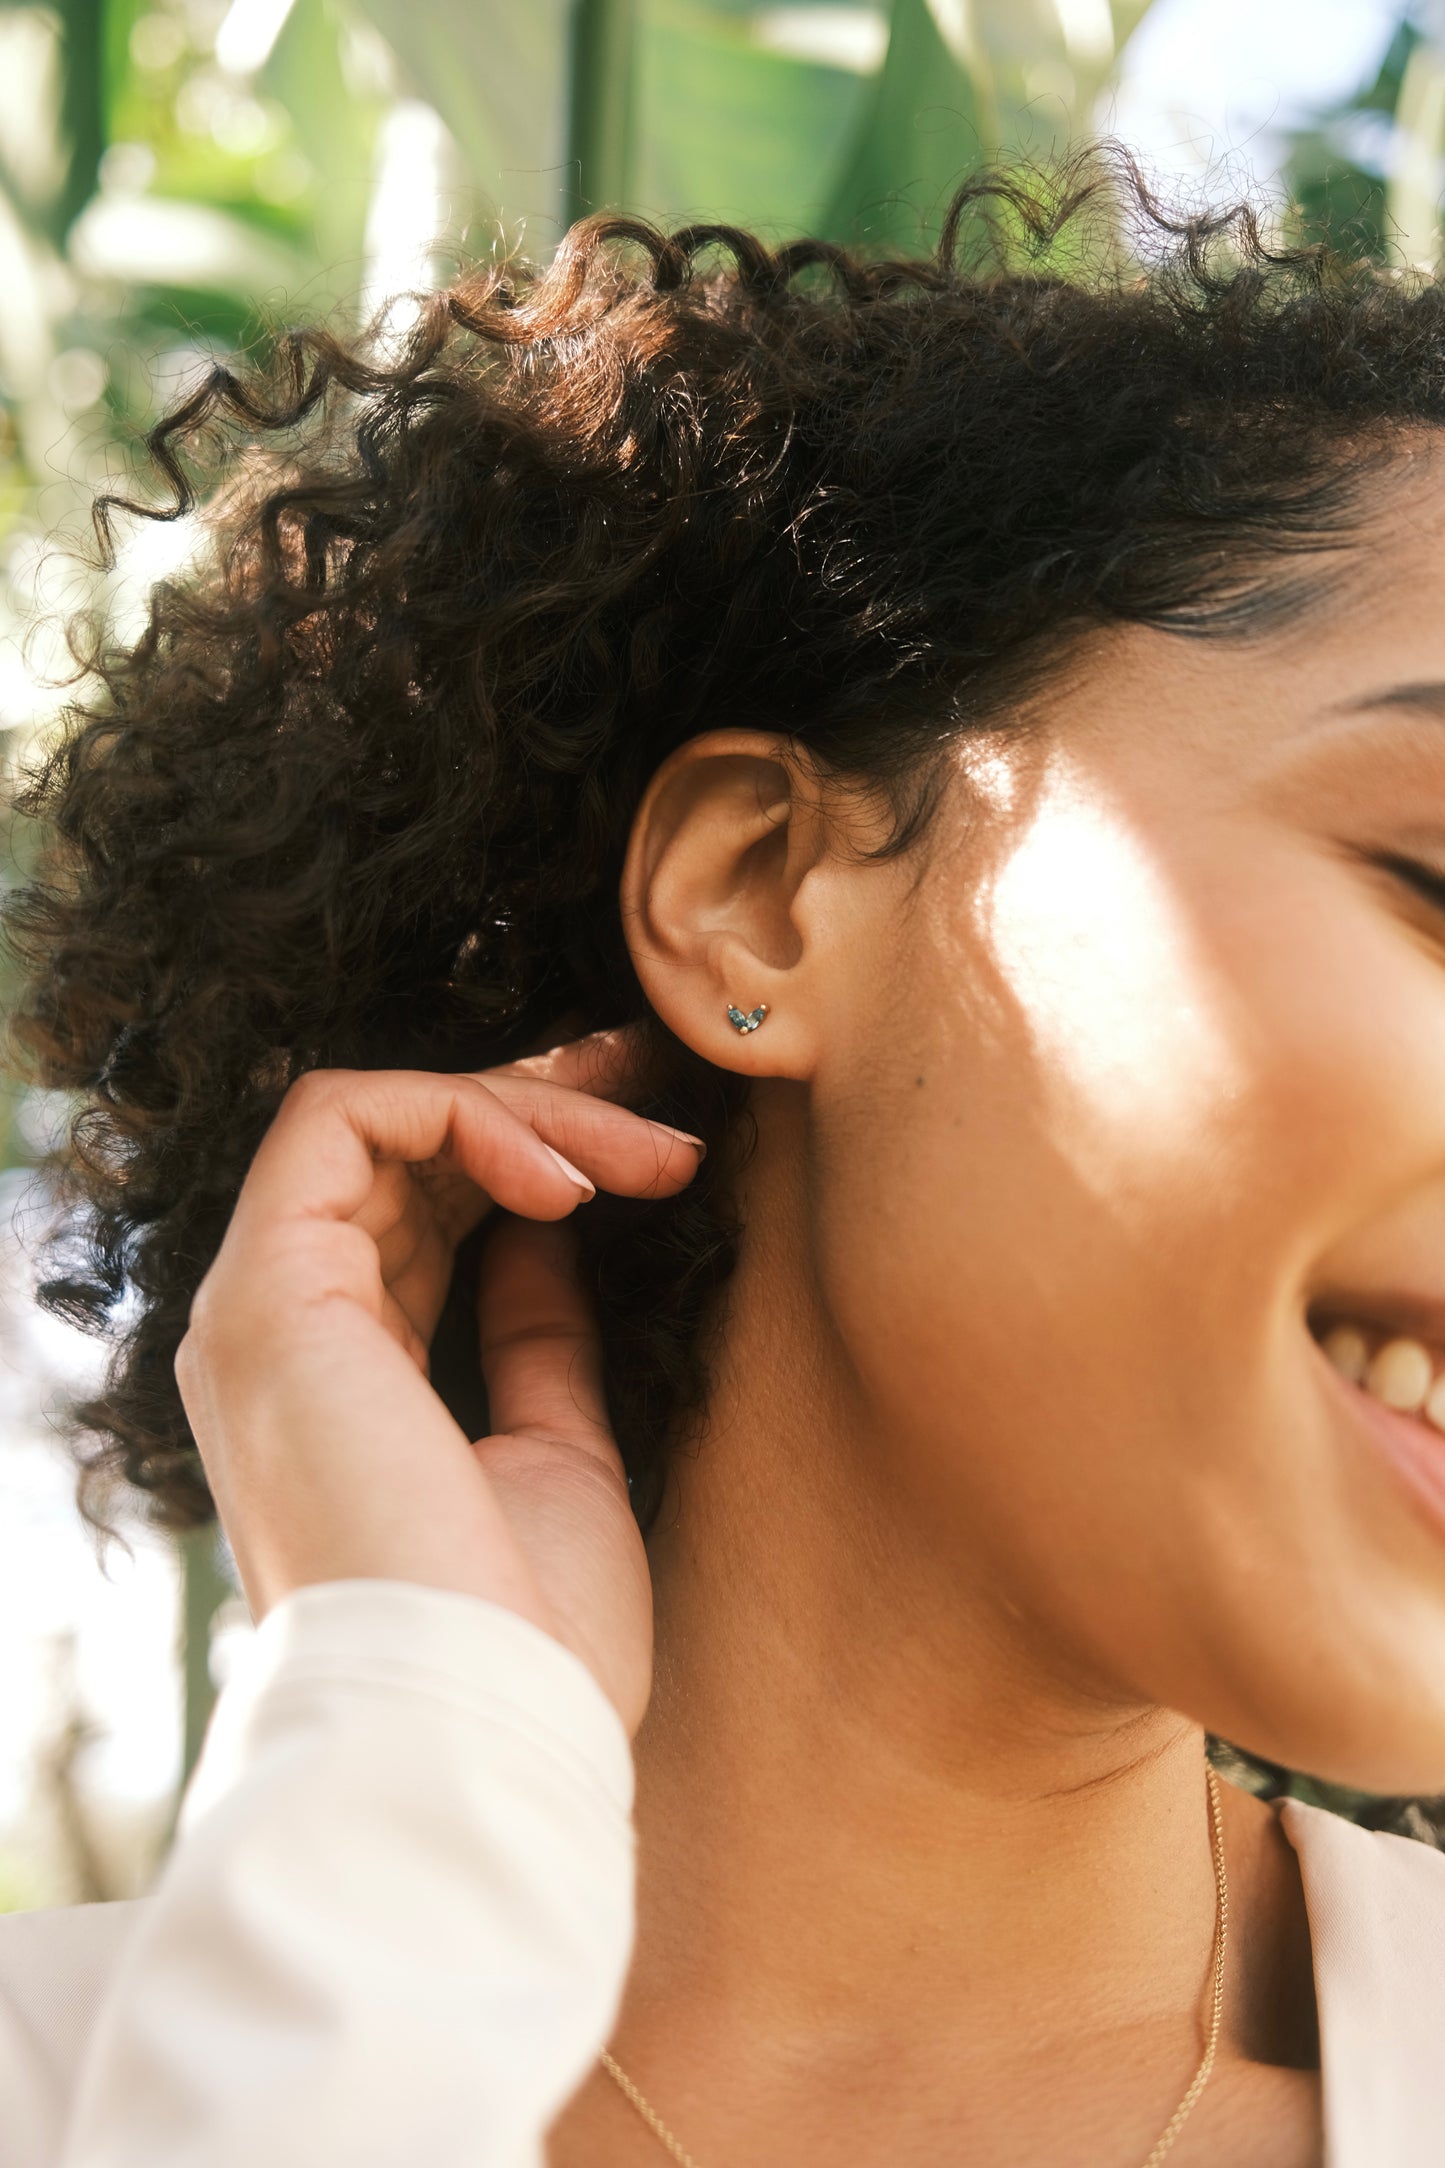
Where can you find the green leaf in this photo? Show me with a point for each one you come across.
(334, 126)
(926, 123)
(498, 76)
(729, 129)
(1414, 197)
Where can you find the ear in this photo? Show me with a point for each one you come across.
(725, 897)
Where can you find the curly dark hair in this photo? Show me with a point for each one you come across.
(360, 793)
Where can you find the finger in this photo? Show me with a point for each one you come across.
(541, 1352)
(416, 1276)
(605, 1063)
(417, 1216)
(617, 1149)
(319, 1158)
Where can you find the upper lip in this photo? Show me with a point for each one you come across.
(1397, 1313)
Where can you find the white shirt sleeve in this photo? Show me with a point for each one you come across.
(397, 1920)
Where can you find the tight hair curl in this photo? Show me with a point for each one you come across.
(359, 794)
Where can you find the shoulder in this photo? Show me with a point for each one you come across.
(53, 1969)
(1376, 1906)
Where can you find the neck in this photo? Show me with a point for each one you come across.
(873, 1805)
(851, 1769)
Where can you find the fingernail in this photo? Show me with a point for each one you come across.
(686, 1136)
(573, 1174)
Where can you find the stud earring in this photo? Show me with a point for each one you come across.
(743, 1023)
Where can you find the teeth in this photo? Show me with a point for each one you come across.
(1349, 1351)
(1435, 1405)
(1400, 1373)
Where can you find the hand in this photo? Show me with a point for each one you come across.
(304, 1372)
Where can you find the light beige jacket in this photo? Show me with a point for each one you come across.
(395, 1928)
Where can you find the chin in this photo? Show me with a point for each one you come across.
(1389, 1743)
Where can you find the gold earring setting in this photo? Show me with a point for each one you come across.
(747, 1023)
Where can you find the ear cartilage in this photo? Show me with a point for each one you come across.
(743, 1023)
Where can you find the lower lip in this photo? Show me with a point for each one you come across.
(1413, 1447)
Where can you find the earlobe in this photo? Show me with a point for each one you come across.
(727, 836)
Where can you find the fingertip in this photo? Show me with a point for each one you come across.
(683, 1136)
(574, 1174)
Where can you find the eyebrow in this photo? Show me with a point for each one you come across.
(1427, 697)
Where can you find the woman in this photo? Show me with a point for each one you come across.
(962, 746)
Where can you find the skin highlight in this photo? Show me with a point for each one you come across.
(1078, 1121)
(1021, 1440)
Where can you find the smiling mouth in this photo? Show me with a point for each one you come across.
(1395, 1384)
(1398, 1371)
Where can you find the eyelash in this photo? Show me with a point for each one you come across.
(1425, 881)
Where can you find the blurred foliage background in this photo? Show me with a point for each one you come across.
(179, 177)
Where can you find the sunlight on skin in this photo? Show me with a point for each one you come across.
(1148, 1068)
(1096, 950)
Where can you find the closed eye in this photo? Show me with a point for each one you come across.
(1424, 881)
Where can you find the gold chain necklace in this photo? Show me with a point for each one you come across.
(1177, 2120)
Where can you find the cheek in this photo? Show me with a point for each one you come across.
(1076, 1124)
(1102, 1002)
(1073, 1278)
(1018, 1272)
